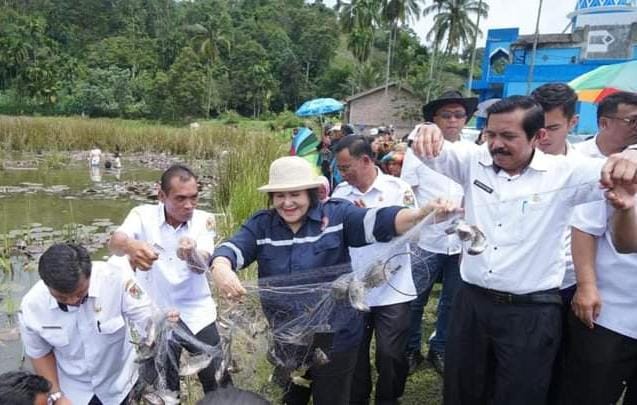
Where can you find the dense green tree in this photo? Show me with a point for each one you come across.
(187, 86)
(176, 60)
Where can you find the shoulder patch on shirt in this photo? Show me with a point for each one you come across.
(409, 200)
(133, 290)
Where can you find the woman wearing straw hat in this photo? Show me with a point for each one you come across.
(299, 237)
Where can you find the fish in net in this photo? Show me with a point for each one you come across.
(289, 323)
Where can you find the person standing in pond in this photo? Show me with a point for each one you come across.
(170, 244)
(95, 156)
(301, 236)
(73, 326)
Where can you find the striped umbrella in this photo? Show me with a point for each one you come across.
(605, 80)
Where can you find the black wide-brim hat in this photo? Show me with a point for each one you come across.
(449, 97)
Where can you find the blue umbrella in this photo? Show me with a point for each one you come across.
(319, 106)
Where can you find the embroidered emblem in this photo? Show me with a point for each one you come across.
(408, 199)
(134, 290)
(535, 198)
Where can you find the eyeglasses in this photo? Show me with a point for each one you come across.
(631, 122)
(446, 115)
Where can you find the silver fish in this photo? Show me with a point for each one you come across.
(320, 357)
(357, 294)
(468, 233)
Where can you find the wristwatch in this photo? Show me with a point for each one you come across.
(54, 397)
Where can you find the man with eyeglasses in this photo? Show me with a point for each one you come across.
(437, 255)
(75, 325)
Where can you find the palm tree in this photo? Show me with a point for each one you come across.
(453, 23)
(208, 42)
(359, 18)
(397, 12)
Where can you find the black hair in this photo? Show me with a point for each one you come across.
(556, 95)
(183, 172)
(356, 145)
(21, 387)
(61, 266)
(610, 103)
(347, 129)
(311, 192)
(533, 119)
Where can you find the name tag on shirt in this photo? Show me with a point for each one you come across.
(483, 186)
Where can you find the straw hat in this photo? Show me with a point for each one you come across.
(291, 173)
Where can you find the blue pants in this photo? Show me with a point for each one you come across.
(427, 268)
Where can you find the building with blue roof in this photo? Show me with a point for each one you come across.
(601, 32)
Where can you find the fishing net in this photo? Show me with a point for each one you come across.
(289, 323)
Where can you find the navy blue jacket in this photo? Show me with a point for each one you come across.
(285, 258)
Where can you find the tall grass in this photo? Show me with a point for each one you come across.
(69, 133)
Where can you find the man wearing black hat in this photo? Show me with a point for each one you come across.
(437, 255)
(450, 112)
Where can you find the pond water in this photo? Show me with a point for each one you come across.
(40, 206)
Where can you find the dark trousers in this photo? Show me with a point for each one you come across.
(499, 353)
(559, 366)
(207, 335)
(96, 401)
(390, 325)
(599, 362)
(330, 383)
(427, 268)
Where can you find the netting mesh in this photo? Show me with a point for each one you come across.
(293, 320)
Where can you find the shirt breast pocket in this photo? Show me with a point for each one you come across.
(531, 214)
(112, 330)
(57, 338)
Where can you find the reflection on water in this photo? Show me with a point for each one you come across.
(44, 206)
(95, 174)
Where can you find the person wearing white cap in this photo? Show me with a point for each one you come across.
(298, 238)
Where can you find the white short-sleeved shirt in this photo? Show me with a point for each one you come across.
(91, 343)
(616, 273)
(169, 282)
(94, 156)
(429, 185)
(524, 217)
(385, 191)
(589, 149)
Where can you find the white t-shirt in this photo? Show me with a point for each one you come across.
(589, 149)
(385, 191)
(91, 342)
(170, 283)
(616, 273)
